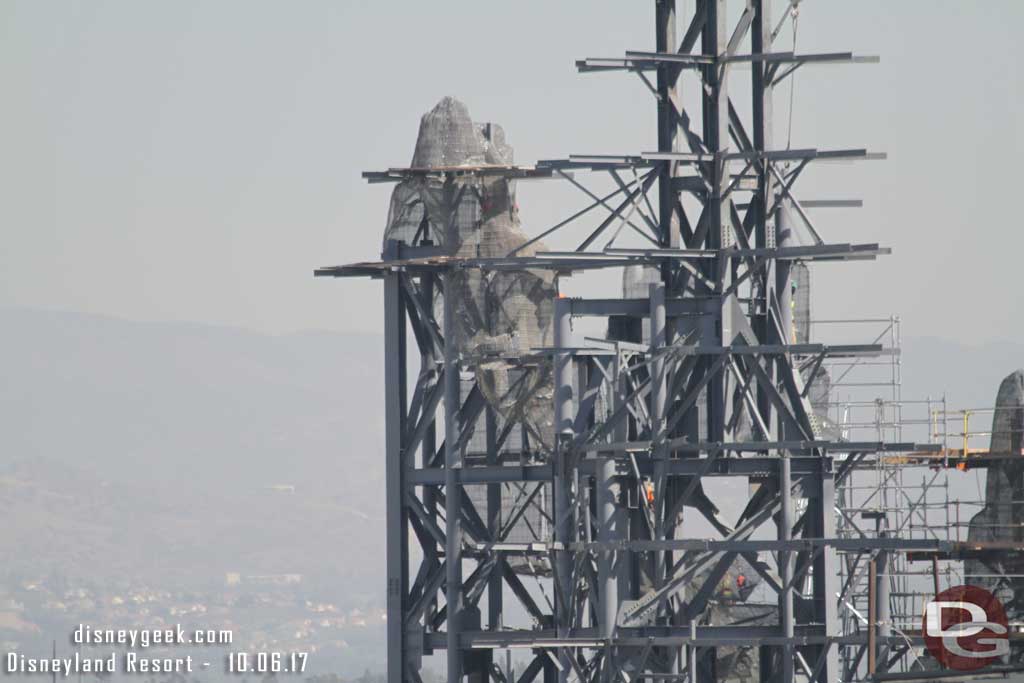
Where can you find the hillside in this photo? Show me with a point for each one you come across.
(140, 457)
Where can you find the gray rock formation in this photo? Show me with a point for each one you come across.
(502, 315)
(1002, 518)
(448, 137)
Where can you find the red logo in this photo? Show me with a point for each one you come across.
(965, 628)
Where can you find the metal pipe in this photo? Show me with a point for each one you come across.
(428, 448)
(395, 409)
(668, 128)
(785, 533)
(609, 584)
(883, 619)
(826, 580)
(563, 368)
(452, 489)
(495, 615)
(562, 481)
(692, 653)
(659, 398)
(783, 272)
(872, 617)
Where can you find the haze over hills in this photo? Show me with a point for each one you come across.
(149, 452)
(194, 405)
(187, 422)
(140, 457)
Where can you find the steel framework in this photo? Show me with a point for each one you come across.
(616, 586)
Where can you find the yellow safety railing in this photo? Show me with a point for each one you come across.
(941, 418)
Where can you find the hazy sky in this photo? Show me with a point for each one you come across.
(196, 160)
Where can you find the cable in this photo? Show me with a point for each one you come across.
(795, 14)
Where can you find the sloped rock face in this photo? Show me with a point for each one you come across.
(448, 137)
(1002, 518)
(503, 314)
(499, 313)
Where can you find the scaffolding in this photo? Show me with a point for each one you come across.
(913, 495)
(892, 497)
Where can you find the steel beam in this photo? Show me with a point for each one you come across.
(454, 598)
(785, 523)
(395, 468)
(562, 480)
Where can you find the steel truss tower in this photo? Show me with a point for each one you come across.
(613, 588)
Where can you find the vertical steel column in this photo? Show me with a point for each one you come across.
(826, 577)
(714, 38)
(670, 236)
(762, 110)
(783, 269)
(668, 106)
(563, 368)
(494, 582)
(693, 656)
(625, 565)
(872, 616)
(785, 566)
(427, 451)
(658, 407)
(396, 522)
(764, 232)
(882, 612)
(452, 488)
(604, 470)
(784, 298)
(659, 399)
(562, 479)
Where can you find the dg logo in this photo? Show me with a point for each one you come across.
(965, 628)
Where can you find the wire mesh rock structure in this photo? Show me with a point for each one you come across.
(701, 378)
(501, 316)
(1002, 518)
